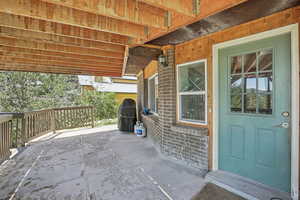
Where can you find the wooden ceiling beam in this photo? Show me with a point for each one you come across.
(63, 55)
(185, 7)
(50, 12)
(43, 60)
(206, 9)
(13, 42)
(37, 25)
(131, 11)
(126, 55)
(58, 59)
(43, 37)
(53, 69)
(23, 61)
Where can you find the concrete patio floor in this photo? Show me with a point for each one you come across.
(100, 163)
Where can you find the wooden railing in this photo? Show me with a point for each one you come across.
(74, 117)
(37, 123)
(5, 139)
(16, 129)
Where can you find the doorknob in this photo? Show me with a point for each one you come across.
(285, 114)
(283, 125)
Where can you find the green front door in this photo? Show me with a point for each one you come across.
(254, 107)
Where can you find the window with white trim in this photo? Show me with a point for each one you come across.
(153, 93)
(191, 92)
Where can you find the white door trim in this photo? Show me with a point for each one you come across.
(293, 29)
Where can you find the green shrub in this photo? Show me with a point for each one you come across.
(105, 104)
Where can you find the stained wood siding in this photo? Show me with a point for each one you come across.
(150, 70)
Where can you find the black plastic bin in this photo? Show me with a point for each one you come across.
(127, 115)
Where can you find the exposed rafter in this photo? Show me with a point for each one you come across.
(91, 36)
(185, 7)
(126, 54)
(207, 8)
(61, 14)
(50, 61)
(131, 11)
(46, 57)
(55, 69)
(42, 37)
(37, 25)
(57, 64)
(65, 55)
(23, 43)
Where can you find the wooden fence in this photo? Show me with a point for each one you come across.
(16, 129)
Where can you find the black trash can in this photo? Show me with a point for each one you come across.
(127, 115)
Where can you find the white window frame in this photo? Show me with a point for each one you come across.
(156, 95)
(179, 119)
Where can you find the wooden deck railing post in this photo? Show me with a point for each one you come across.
(93, 116)
(5, 136)
(17, 132)
(11, 131)
(23, 131)
(53, 120)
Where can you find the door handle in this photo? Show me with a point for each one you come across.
(283, 125)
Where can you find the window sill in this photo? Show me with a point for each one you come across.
(153, 117)
(192, 124)
(155, 114)
(198, 131)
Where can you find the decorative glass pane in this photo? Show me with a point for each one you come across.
(236, 93)
(265, 104)
(265, 82)
(265, 60)
(193, 107)
(236, 64)
(192, 77)
(236, 103)
(236, 83)
(250, 103)
(250, 62)
(250, 83)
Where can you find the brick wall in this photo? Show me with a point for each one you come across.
(152, 125)
(183, 143)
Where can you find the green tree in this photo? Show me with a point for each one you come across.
(27, 91)
(104, 103)
(56, 90)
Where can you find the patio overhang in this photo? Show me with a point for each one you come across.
(93, 38)
(214, 22)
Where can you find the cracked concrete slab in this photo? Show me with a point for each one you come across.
(96, 164)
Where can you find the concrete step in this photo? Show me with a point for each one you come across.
(245, 187)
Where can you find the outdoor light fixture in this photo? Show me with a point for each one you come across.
(162, 59)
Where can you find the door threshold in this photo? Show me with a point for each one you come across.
(245, 187)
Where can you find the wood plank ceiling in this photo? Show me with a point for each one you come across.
(89, 36)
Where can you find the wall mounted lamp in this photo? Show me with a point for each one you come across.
(162, 59)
